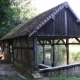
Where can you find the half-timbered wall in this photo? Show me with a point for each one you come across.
(23, 54)
(6, 50)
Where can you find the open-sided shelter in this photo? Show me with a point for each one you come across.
(57, 23)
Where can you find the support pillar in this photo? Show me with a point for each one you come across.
(67, 50)
(43, 54)
(35, 52)
(9, 52)
(2, 47)
(54, 61)
(12, 53)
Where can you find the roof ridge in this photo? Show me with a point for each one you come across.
(72, 11)
(66, 3)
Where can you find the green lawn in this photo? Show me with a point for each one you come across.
(65, 78)
(16, 77)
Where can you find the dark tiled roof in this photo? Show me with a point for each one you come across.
(29, 27)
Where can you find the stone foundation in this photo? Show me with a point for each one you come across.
(67, 70)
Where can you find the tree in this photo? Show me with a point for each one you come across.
(27, 10)
(14, 12)
(5, 16)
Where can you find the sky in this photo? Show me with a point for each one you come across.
(44, 5)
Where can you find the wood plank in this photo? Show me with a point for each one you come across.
(65, 22)
(54, 28)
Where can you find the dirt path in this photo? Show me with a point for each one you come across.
(7, 69)
(10, 71)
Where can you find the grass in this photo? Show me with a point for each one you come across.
(64, 78)
(13, 77)
(16, 77)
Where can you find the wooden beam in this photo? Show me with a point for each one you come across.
(5, 46)
(12, 53)
(62, 44)
(49, 41)
(27, 48)
(40, 42)
(65, 22)
(63, 41)
(36, 53)
(17, 49)
(58, 41)
(45, 41)
(27, 41)
(2, 47)
(67, 50)
(9, 51)
(77, 40)
(21, 49)
(54, 27)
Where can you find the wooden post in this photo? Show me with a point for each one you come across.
(54, 62)
(43, 54)
(17, 50)
(67, 50)
(35, 52)
(9, 51)
(21, 50)
(12, 53)
(2, 47)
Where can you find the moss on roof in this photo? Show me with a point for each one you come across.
(27, 27)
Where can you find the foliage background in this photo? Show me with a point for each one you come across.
(60, 54)
(15, 12)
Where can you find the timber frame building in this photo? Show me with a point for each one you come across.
(58, 23)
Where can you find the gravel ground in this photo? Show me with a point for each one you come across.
(7, 69)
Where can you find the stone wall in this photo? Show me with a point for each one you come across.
(61, 71)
